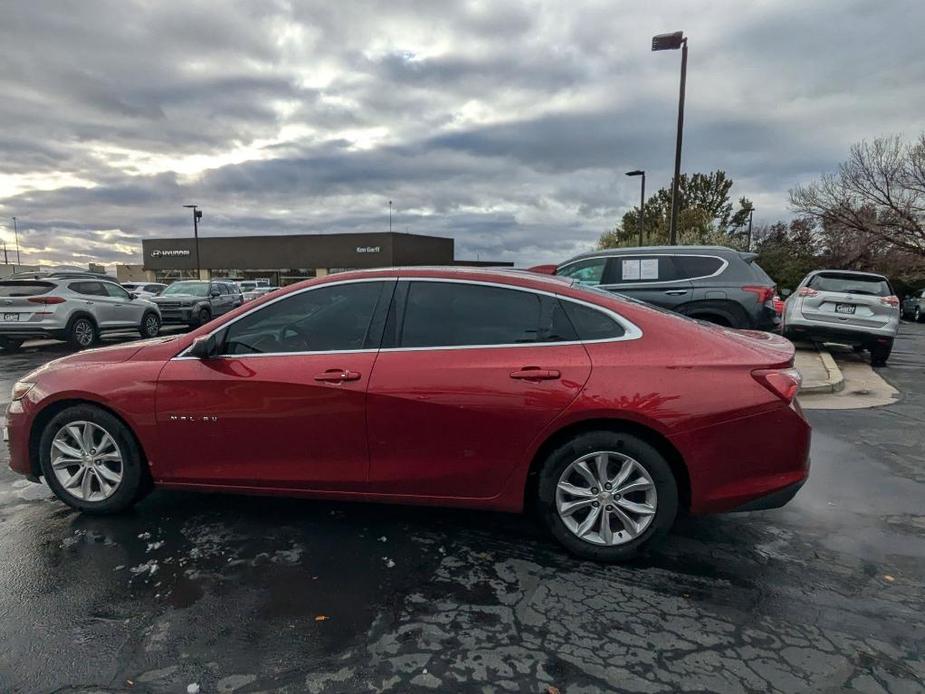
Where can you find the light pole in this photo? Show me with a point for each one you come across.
(390, 216)
(197, 215)
(642, 200)
(671, 42)
(751, 212)
(16, 236)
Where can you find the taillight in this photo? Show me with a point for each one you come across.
(890, 301)
(806, 291)
(764, 294)
(784, 383)
(46, 299)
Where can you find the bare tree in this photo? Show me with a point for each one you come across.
(879, 192)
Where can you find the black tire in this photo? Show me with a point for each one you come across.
(82, 332)
(880, 352)
(917, 314)
(645, 455)
(150, 325)
(10, 344)
(135, 482)
(858, 349)
(203, 317)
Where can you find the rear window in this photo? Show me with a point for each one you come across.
(25, 288)
(850, 284)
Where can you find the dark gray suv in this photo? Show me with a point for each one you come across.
(712, 283)
(196, 302)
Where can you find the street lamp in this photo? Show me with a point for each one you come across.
(197, 215)
(672, 42)
(751, 213)
(16, 236)
(642, 200)
(390, 216)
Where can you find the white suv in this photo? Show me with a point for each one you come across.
(72, 309)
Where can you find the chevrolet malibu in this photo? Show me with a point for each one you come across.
(470, 388)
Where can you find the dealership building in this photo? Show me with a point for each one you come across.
(284, 259)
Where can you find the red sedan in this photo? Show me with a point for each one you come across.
(454, 387)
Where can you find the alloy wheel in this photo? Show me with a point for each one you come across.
(86, 461)
(606, 498)
(151, 325)
(83, 332)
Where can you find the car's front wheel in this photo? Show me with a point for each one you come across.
(607, 495)
(91, 461)
(150, 325)
(204, 316)
(917, 315)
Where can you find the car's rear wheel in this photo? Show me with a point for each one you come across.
(91, 461)
(150, 325)
(880, 352)
(82, 332)
(607, 495)
(10, 344)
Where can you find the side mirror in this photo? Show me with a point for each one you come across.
(214, 293)
(203, 347)
(785, 293)
(132, 295)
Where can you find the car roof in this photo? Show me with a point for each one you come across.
(674, 250)
(859, 273)
(522, 278)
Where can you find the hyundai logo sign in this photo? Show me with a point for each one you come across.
(170, 252)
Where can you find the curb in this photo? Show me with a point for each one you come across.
(835, 381)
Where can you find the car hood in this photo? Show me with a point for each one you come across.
(113, 354)
(177, 297)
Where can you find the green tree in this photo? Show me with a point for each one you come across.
(706, 215)
(787, 252)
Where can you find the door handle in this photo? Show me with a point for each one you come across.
(676, 292)
(534, 373)
(337, 376)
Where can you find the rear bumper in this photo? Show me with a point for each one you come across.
(773, 500)
(811, 330)
(27, 332)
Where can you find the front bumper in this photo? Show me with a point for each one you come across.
(16, 437)
(177, 315)
(773, 500)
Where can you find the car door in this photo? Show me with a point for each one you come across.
(283, 403)
(126, 312)
(469, 375)
(652, 278)
(93, 297)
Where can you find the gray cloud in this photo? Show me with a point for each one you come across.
(506, 125)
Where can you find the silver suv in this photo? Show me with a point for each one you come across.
(854, 308)
(72, 309)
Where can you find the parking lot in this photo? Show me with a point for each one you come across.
(252, 594)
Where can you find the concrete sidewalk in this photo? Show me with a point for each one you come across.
(819, 371)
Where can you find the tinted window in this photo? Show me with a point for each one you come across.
(639, 269)
(688, 266)
(89, 288)
(850, 284)
(318, 320)
(438, 314)
(585, 271)
(591, 324)
(115, 291)
(22, 288)
(153, 288)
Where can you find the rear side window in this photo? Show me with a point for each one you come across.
(445, 314)
(639, 269)
(692, 266)
(22, 288)
(850, 284)
(591, 324)
(89, 288)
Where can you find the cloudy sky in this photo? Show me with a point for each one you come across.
(505, 124)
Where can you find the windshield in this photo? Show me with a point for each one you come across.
(192, 288)
(850, 284)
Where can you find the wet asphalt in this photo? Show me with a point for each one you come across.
(242, 594)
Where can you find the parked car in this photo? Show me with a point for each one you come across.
(711, 283)
(58, 275)
(145, 290)
(257, 292)
(196, 302)
(470, 388)
(853, 308)
(913, 306)
(76, 310)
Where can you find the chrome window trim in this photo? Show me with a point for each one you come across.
(630, 330)
(633, 285)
